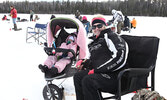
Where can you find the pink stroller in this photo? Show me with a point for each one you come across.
(56, 35)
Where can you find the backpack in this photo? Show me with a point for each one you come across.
(145, 94)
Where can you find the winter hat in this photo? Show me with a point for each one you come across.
(84, 18)
(99, 19)
(70, 39)
(53, 16)
(113, 11)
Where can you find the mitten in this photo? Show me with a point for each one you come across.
(91, 72)
(78, 64)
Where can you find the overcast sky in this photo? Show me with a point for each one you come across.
(52, 0)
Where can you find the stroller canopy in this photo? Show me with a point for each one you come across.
(60, 23)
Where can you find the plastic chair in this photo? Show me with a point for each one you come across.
(39, 31)
(140, 63)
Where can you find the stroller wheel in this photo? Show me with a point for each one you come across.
(52, 92)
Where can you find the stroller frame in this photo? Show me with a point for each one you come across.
(50, 90)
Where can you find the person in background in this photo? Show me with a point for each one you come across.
(13, 14)
(118, 20)
(80, 18)
(52, 16)
(31, 15)
(77, 14)
(36, 18)
(126, 24)
(108, 54)
(133, 23)
(5, 18)
(86, 24)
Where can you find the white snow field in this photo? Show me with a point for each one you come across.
(19, 73)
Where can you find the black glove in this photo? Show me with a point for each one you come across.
(65, 54)
(86, 64)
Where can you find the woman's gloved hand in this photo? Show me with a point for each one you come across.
(91, 72)
(78, 64)
(83, 64)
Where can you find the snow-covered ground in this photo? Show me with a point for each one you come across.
(19, 73)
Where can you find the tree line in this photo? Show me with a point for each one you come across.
(128, 7)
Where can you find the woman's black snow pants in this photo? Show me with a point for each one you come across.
(87, 86)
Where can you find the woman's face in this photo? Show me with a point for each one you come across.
(97, 28)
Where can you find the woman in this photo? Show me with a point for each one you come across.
(108, 53)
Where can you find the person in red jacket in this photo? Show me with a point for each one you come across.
(13, 14)
(4, 17)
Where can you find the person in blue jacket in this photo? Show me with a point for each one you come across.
(86, 24)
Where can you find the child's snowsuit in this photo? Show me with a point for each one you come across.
(60, 64)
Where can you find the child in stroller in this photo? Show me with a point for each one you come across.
(56, 64)
(59, 31)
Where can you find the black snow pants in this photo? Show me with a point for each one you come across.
(87, 86)
(31, 17)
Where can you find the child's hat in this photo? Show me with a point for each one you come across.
(71, 38)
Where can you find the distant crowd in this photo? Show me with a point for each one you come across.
(118, 22)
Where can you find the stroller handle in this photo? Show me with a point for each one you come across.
(49, 50)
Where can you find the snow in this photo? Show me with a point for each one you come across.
(19, 73)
